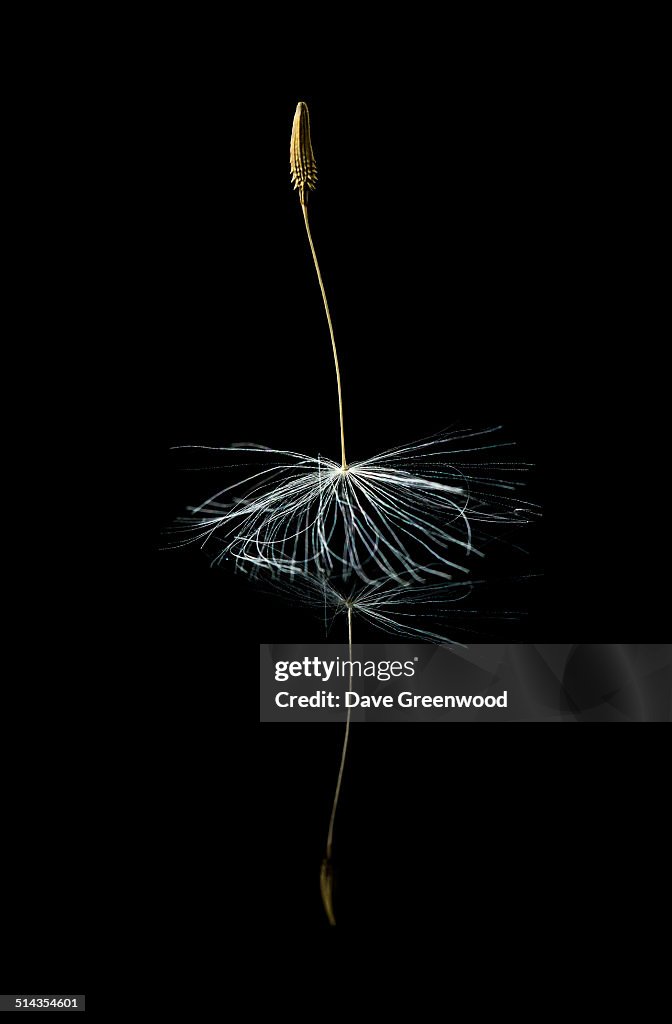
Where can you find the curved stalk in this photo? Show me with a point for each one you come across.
(304, 207)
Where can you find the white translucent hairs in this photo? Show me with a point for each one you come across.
(413, 512)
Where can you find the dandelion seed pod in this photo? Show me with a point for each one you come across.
(301, 158)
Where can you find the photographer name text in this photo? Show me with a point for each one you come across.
(327, 699)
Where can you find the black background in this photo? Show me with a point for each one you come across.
(469, 245)
(481, 269)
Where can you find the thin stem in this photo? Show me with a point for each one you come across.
(304, 207)
(326, 873)
(330, 836)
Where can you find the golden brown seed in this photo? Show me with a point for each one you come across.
(301, 158)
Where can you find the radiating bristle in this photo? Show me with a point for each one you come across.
(301, 158)
(415, 512)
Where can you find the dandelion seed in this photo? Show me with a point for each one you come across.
(368, 539)
(301, 158)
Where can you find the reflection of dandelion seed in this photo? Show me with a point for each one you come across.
(404, 608)
(393, 606)
(413, 511)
